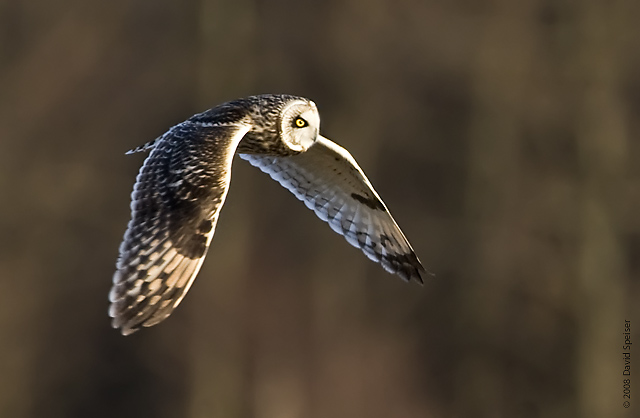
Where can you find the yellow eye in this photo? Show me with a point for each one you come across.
(300, 123)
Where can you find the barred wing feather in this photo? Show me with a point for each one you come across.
(175, 204)
(329, 181)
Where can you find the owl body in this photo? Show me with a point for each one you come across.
(183, 183)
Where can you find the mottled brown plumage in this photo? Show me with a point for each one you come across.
(182, 185)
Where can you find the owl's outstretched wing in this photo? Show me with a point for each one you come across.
(175, 203)
(330, 182)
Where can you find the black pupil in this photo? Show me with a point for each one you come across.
(300, 122)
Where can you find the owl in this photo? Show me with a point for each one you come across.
(182, 185)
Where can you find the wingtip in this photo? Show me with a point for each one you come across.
(118, 320)
(127, 331)
(418, 275)
(124, 328)
(420, 272)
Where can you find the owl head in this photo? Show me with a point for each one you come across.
(299, 124)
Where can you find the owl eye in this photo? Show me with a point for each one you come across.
(299, 122)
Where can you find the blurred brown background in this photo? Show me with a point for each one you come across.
(502, 134)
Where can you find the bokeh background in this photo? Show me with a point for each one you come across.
(502, 134)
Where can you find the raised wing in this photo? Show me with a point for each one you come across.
(175, 203)
(330, 182)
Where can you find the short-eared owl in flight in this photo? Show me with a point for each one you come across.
(183, 183)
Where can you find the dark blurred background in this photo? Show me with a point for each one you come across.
(502, 135)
